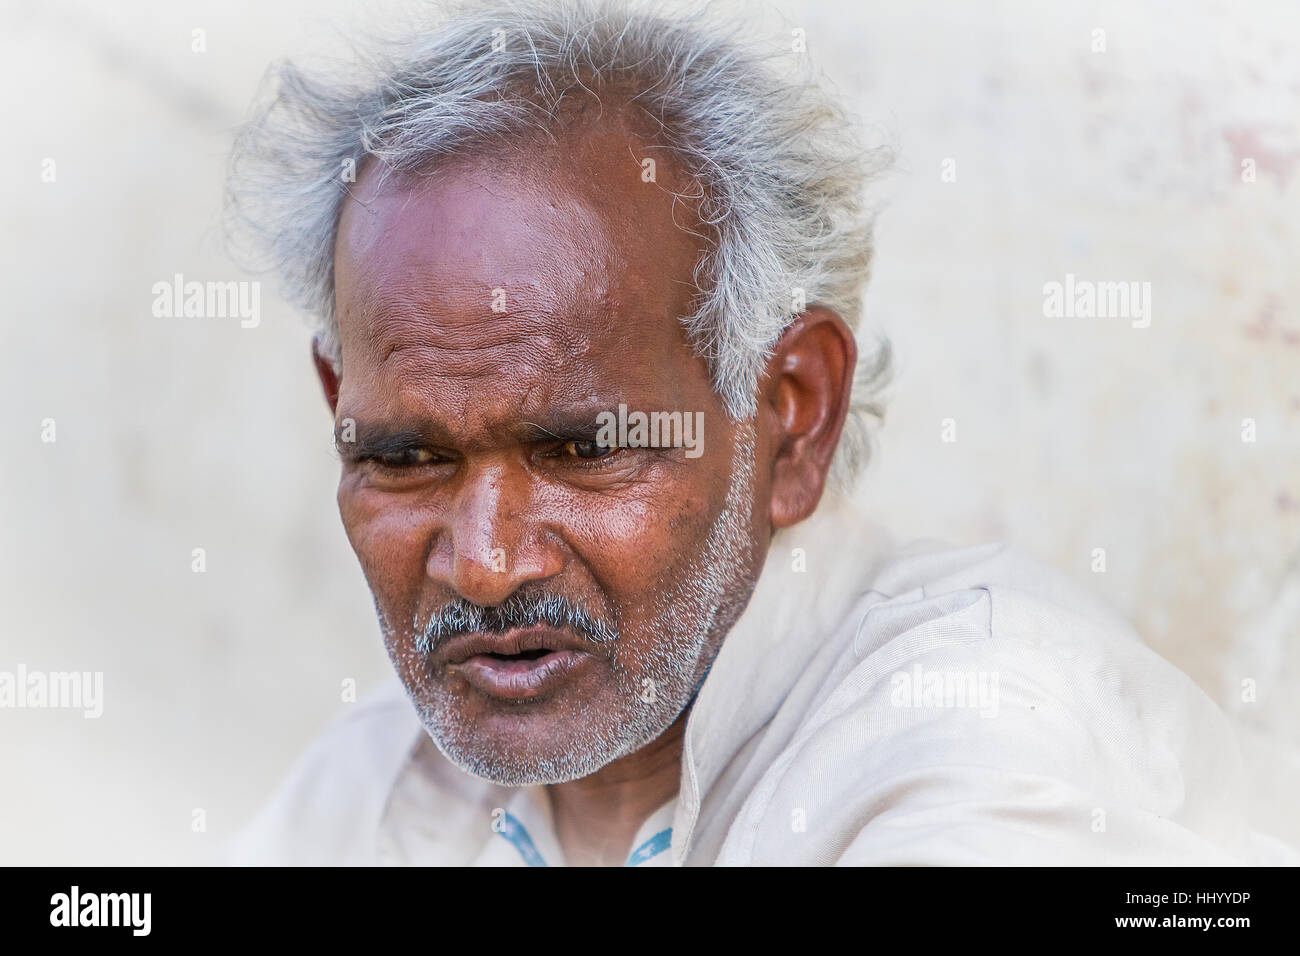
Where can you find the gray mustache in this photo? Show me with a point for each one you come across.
(463, 617)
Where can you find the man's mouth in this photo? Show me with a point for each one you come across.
(520, 664)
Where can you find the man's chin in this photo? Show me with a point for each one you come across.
(519, 765)
(541, 742)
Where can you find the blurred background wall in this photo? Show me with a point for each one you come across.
(1171, 155)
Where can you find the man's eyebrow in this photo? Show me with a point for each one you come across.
(376, 441)
(560, 426)
(373, 440)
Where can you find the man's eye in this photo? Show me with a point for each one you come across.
(407, 458)
(588, 450)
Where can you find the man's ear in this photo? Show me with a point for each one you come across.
(806, 388)
(329, 379)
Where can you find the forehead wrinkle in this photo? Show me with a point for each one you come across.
(519, 371)
(533, 291)
(532, 393)
(507, 357)
(571, 341)
(546, 360)
(556, 320)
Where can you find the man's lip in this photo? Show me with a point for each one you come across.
(515, 641)
(521, 679)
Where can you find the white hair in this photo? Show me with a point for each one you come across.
(780, 169)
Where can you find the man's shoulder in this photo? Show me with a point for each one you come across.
(328, 808)
(992, 610)
(983, 704)
(1001, 602)
(995, 608)
(931, 570)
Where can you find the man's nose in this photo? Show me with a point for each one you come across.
(490, 544)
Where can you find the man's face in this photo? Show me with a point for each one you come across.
(550, 604)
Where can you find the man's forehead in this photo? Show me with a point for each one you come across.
(486, 240)
(475, 252)
(576, 216)
(500, 292)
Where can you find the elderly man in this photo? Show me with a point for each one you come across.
(544, 242)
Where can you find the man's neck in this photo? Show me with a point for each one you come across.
(597, 817)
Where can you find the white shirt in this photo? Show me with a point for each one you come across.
(939, 706)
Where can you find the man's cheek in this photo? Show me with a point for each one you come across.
(388, 545)
(677, 539)
(639, 571)
(652, 522)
